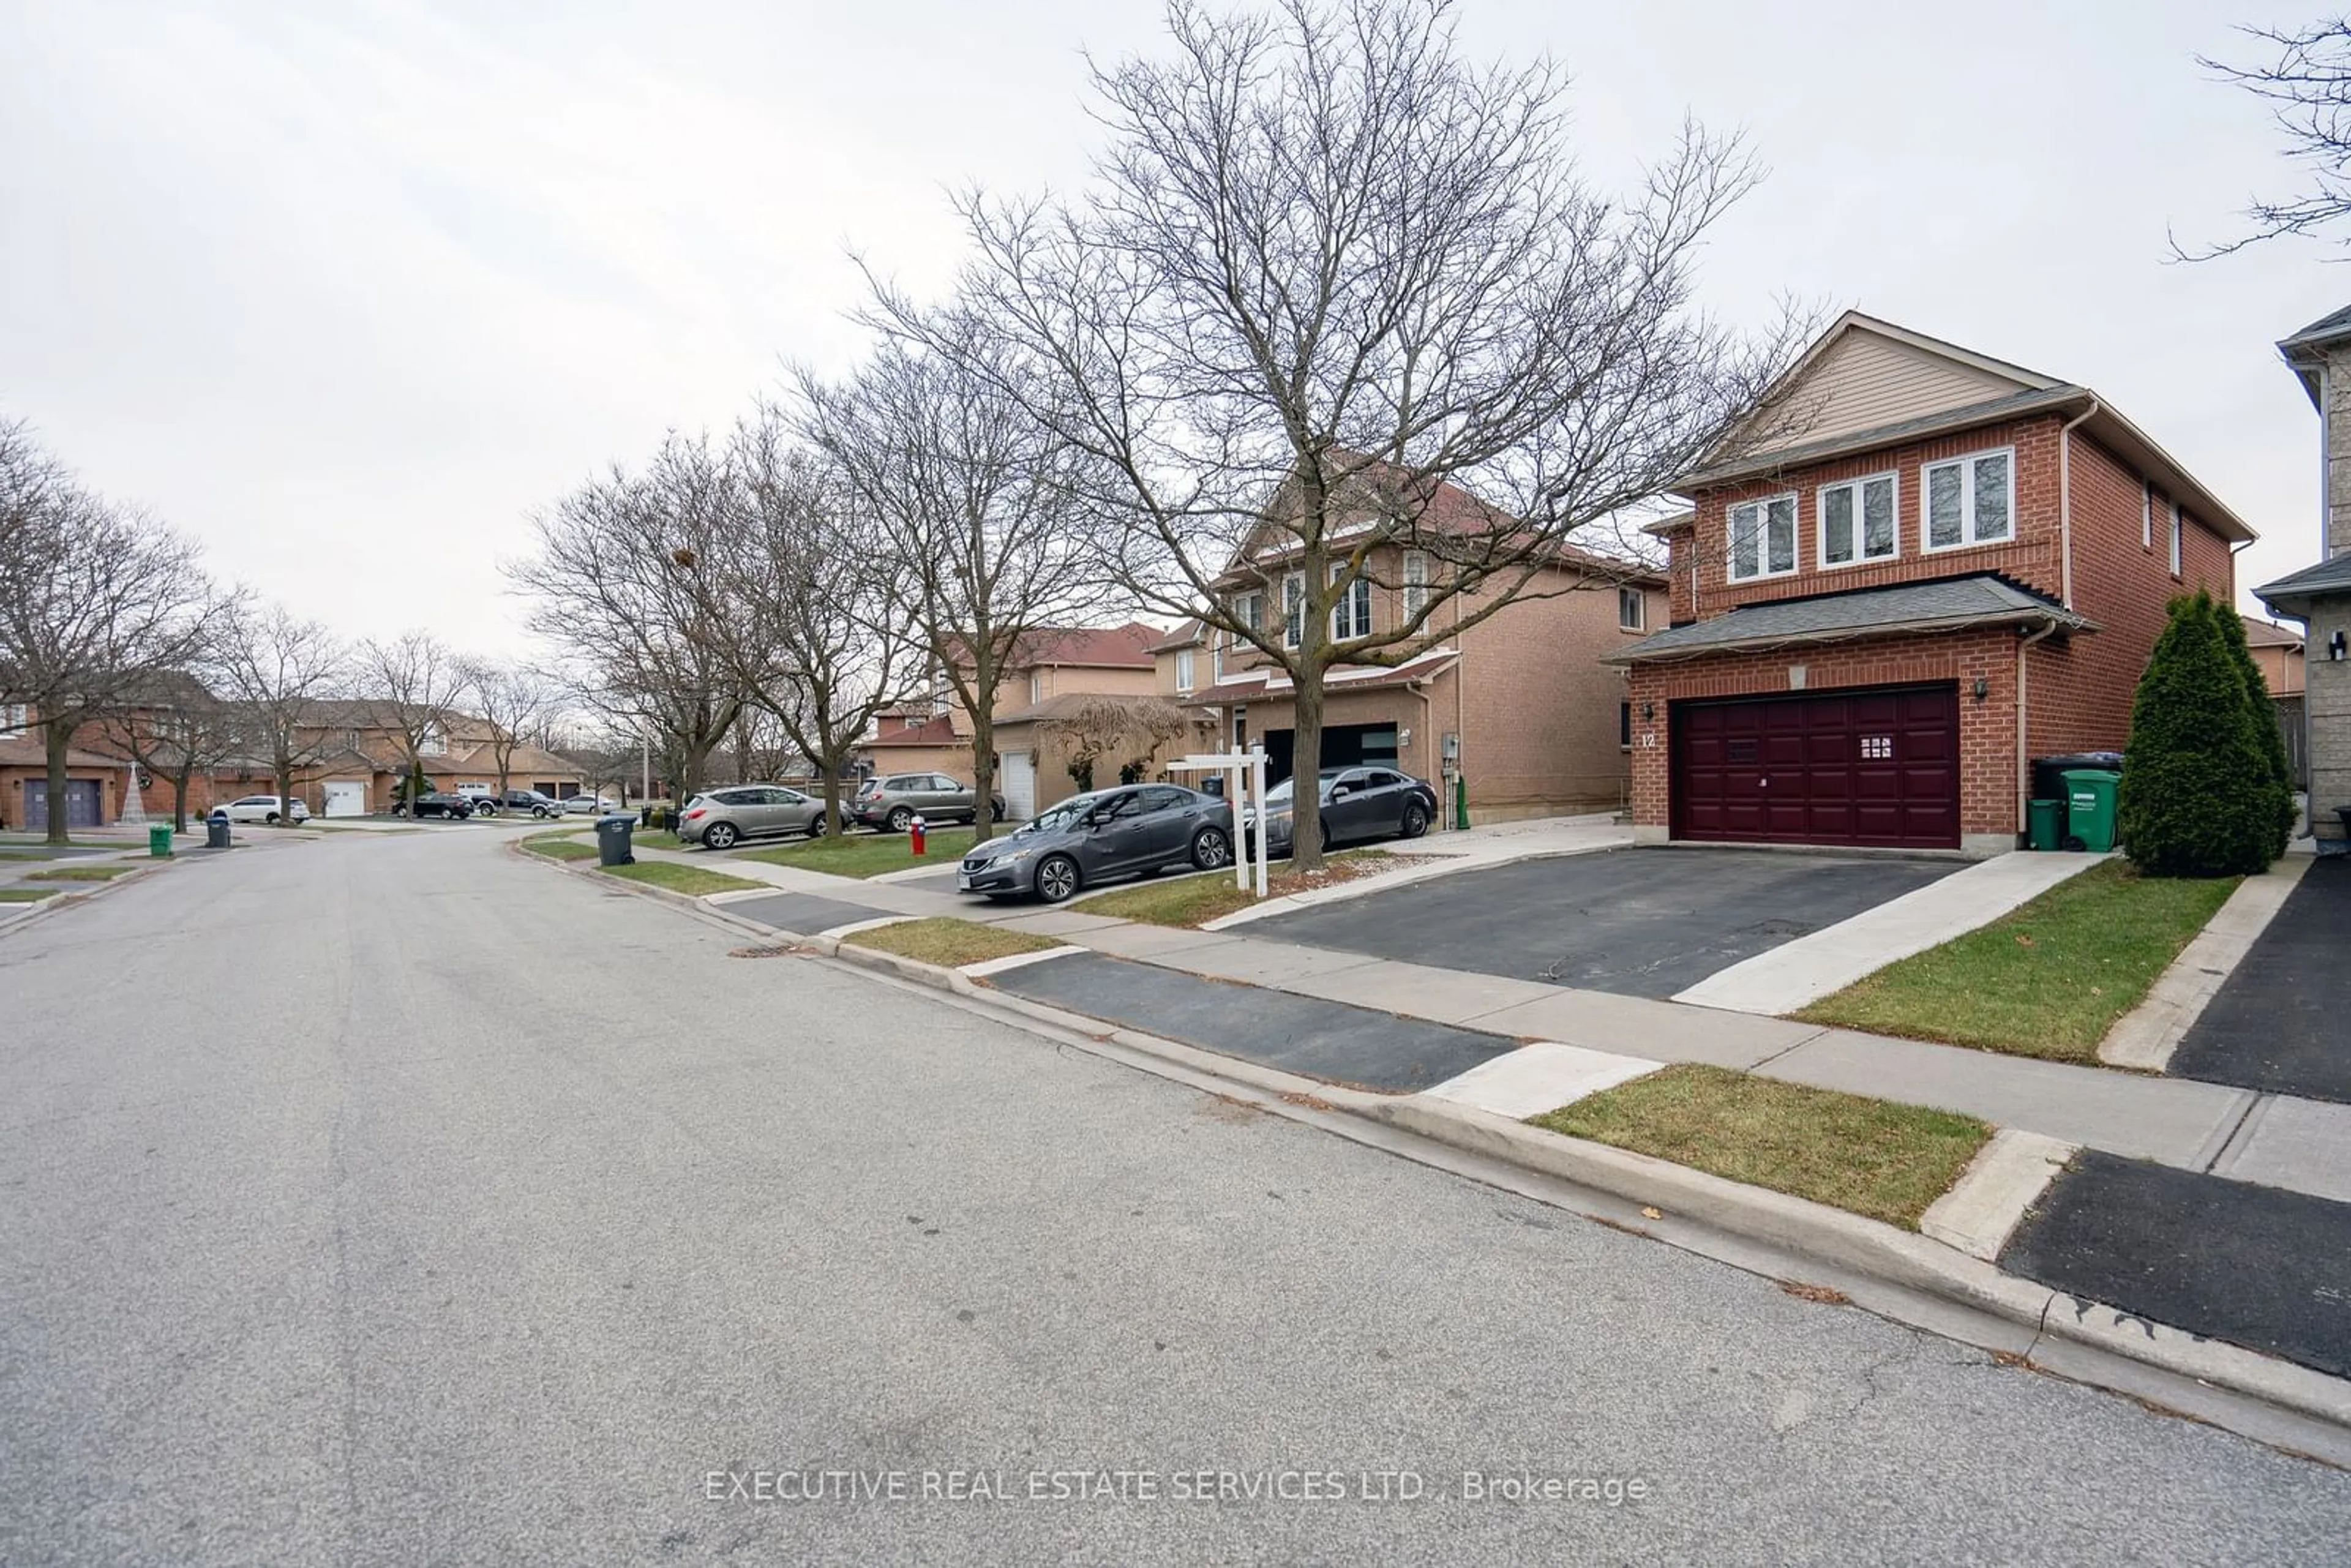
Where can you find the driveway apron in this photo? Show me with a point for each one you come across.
(2281, 1022)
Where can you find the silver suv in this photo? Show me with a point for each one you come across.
(893, 801)
(722, 817)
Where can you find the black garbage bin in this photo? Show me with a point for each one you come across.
(613, 836)
(217, 831)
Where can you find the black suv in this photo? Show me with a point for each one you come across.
(435, 804)
(530, 801)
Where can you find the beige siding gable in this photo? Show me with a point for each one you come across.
(1867, 378)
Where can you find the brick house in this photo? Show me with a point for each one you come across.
(95, 783)
(1518, 706)
(1938, 567)
(1050, 668)
(2319, 596)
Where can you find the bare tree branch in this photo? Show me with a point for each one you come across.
(2307, 82)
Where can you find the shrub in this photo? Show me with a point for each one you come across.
(2198, 791)
(2278, 785)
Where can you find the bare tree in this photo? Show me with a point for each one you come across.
(988, 533)
(275, 670)
(1124, 730)
(2307, 82)
(99, 600)
(612, 592)
(175, 728)
(798, 586)
(1330, 283)
(516, 702)
(411, 684)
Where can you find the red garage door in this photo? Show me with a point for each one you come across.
(1878, 767)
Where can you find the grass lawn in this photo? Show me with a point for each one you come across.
(28, 894)
(2048, 979)
(687, 879)
(949, 942)
(1874, 1157)
(654, 839)
(80, 873)
(556, 847)
(1210, 895)
(865, 854)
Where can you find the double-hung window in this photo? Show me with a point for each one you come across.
(1632, 607)
(1416, 582)
(1969, 500)
(1352, 615)
(1293, 609)
(1762, 537)
(1182, 670)
(2175, 538)
(1856, 520)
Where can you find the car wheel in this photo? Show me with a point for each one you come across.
(996, 813)
(901, 820)
(1416, 820)
(1057, 879)
(1211, 849)
(1324, 829)
(271, 818)
(816, 827)
(719, 836)
(541, 813)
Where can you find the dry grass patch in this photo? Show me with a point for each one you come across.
(1874, 1157)
(28, 894)
(557, 847)
(80, 873)
(2049, 979)
(1203, 896)
(948, 942)
(690, 880)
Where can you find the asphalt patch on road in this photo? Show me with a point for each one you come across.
(1329, 1040)
(2278, 1022)
(2255, 1266)
(1637, 922)
(803, 913)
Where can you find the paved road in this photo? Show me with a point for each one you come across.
(387, 1200)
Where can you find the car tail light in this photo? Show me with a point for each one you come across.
(697, 812)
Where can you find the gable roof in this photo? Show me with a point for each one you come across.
(2261, 634)
(1948, 388)
(1951, 604)
(1190, 634)
(936, 730)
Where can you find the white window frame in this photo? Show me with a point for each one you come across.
(1355, 606)
(2146, 517)
(1638, 599)
(14, 716)
(1763, 507)
(1036, 687)
(1184, 670)
(1293, 609)
(1860, 521)
(2179, 530)
(1966, 464)
(1416, 583)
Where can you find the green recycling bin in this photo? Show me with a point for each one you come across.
(159, 841)
(2044, 824)
(2090, 808)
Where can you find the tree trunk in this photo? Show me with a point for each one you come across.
(180, 798)
(285, 782)
(983, 776)
(1306, 768)
(56, 735)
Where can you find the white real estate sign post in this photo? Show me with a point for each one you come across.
(1244, 774)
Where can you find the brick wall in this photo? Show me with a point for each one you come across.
(1988, 777)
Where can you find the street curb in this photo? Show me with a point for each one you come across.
(1864, 1247)
(64, 899)
(2142, 1039)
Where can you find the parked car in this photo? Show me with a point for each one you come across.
(719, 818)
(489, 803)
(1358, 803)
(1130, 831)
(435, 804)
(893, 801)
(265, 808)
(591, 805)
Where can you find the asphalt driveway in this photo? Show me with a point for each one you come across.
(2276, 1023)
(1640, 922)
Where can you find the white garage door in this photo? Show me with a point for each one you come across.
(346, 798)
(1019, 780)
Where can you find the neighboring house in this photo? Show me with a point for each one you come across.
(2319, 596)
(916, 739)
(1518, 706)
(1938, 567)
(2277, 651)
(94, 783)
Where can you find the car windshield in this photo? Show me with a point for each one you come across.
(1060, 818)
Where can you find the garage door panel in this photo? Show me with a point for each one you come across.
(1873, 767)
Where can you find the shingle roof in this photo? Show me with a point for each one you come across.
(28, 749)
(2326, 579)
(2261, 634)
(938, 730)
(2334, 324)
(1912, 608)
(1268, 684)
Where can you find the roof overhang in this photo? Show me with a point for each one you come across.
(2024, 620)
(2294, 595)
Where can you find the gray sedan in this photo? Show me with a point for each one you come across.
(721, 818)
(1358, 803)
(1087, 839)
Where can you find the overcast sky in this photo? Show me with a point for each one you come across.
(345, 290)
